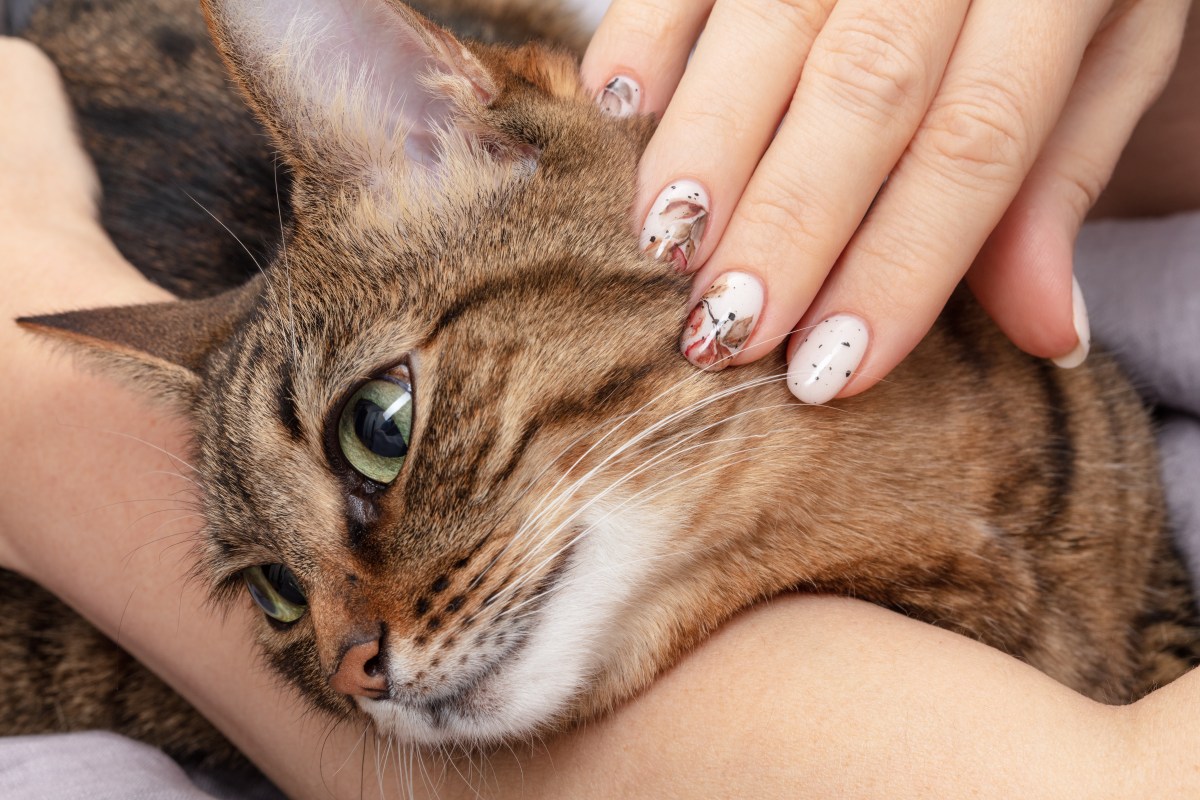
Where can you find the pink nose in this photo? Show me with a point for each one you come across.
(360, 674)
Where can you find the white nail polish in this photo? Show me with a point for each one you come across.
(827, 358)
(620, 97)
(722, 321)
(1083, 330)
(676, 223)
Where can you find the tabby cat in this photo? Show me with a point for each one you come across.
(446, 441)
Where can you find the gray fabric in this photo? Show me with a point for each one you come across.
(1179, 440)
(1141, 282)
(98, 766)
(15, 14)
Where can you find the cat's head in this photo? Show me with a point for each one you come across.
(447, 442)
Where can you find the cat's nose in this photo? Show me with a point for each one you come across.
(361, 672)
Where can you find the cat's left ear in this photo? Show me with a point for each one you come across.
(352, 88)
(162, 348)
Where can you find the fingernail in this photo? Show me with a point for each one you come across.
(825, 361)
(676, 224)
(1083, 330)
(722, 321)
(620, 97)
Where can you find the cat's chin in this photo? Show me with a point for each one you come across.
(500, 704)
(540, 681)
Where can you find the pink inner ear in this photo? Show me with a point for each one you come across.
(313, 45)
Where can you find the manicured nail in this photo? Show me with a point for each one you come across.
(620, 97)
(825, 361)
(722, 321)
(1083, 330)
(676, 224)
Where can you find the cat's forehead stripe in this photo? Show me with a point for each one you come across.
(285, 396)
(630, 285)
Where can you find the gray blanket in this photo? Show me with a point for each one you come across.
(1141, 280)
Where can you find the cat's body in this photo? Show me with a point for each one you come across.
(579, 506)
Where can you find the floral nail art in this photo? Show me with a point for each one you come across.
(675, 224)
(721, 323)
(827, 358)
(620, 97)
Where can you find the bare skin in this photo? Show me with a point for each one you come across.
(805, 696)
(995, 124)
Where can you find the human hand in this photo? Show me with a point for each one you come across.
(992, 127)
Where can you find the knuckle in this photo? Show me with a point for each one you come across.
(890, 269)
(1083, 181)
(779, 220)
(980, 134)
(869, 68)
(650, 22)
(718, 122)
(1157, 69)
(802, 16)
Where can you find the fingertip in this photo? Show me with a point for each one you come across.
(1023, 279)
(621, 97)
(645, 42)
(1083, 330)
(826, 359)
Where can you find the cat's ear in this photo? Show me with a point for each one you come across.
(158, 347)
(349, 88)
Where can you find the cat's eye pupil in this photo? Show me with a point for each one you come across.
(284, 582)
(276, 591)
(376, 429)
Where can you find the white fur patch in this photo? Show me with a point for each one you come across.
(573, 633)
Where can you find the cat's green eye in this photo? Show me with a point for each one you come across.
(375, 428)
(276, 591)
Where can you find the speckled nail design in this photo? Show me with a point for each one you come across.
(620, 97)
(676, 223)
(1083, 330)
(722, 321)
(827, 358)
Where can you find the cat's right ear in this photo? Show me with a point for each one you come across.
(352, 90)
(161, 348)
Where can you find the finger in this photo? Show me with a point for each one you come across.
(639, 51)
(718, 126)
(1006, 84)
(42, 166)
(1030, 254)
(868, 81)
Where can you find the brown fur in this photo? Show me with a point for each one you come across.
(977, 488)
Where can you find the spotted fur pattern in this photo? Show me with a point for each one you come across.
(579, 506)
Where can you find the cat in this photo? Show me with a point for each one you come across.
(446, 441)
